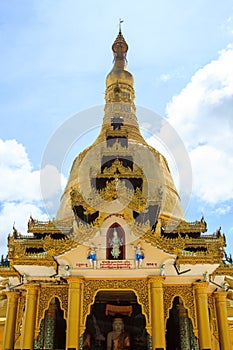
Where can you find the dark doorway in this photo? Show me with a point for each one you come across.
(109, 306)
(52, 333)
(173, 331)
(60, 328)
(179, 332)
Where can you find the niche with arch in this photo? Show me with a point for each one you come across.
(115, 242)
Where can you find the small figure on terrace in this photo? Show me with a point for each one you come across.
(139, 255)
(162, 271)
(91, 256)
(205, 276)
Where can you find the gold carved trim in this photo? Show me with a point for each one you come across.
(213, 316)
(93, 286)
(51, 226)
(46, 294)
(35, 262)
(181, 247)
(184, 226)
(186, 294)
(158, 280)
(8, 272)
(224, 269)
(20, 313)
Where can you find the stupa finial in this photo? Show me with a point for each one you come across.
(120, 21)
(120, 47)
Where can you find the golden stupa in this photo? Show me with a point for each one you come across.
(119, 267)
(149, 167)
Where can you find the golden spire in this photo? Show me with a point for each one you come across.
(120, 48)
(119, 77)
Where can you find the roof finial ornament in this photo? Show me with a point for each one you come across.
(120, 47)
(120, 21)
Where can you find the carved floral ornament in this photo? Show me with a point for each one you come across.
(114, 189)
(185, 247)
(51, 226)
(117, 169)
(92, 287)
(46, 294)
(184, 226)
(20, 313)
(213, 253)
(142, 290)
(213, 247)
(213, 316)
(187, 296)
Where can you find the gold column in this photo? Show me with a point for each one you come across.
(11, 313)
(223, 330)
(29, 323)
(74, 314)
(157, 312)
(202, 315)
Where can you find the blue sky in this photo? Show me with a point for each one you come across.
(55, 55)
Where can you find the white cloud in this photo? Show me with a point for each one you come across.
(178, 73)
(51, 181)
(203, 116)
(19, 181)
(212, 181)
(13, 155)
(229, 25)
(20, 189)
(165, 77)
(223, 210)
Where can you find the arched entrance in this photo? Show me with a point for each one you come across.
(179, 329)
(52, 333)
(108, 307)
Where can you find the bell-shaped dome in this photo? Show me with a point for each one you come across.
(119, 75)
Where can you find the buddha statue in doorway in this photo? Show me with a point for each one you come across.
(118, 339)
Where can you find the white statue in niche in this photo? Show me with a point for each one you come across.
(115, 242)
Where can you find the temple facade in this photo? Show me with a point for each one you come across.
(119, 267)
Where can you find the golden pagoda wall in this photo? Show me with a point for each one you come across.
(89, 287)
